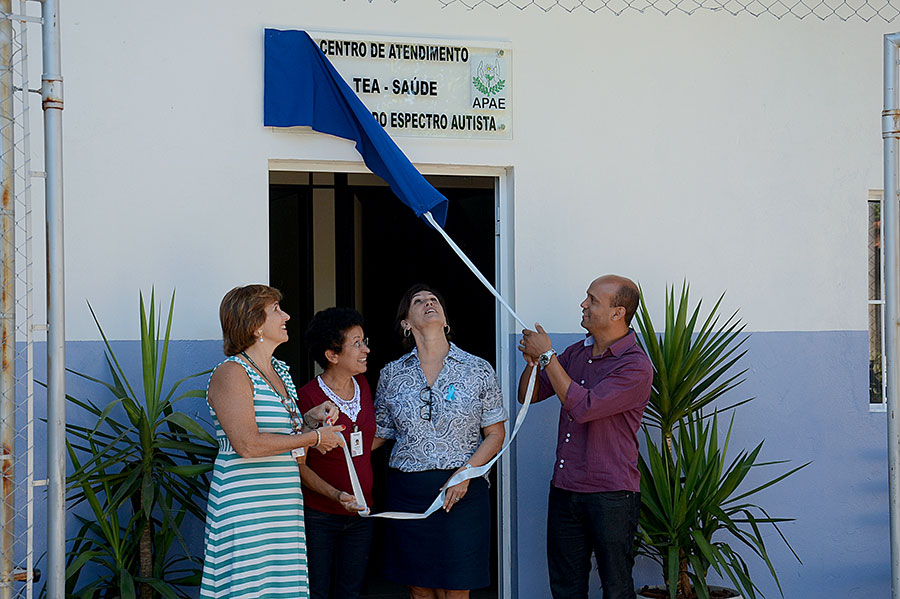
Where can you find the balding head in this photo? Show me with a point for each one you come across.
(623, 292)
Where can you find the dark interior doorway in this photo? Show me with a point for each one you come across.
(345, 239)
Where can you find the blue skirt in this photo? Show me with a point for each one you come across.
(445, 550)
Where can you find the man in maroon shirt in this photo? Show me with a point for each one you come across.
(603, 384)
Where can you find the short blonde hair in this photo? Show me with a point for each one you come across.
(242, 311)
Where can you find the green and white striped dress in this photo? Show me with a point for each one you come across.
(255, 539)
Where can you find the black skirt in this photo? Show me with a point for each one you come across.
(445, 550)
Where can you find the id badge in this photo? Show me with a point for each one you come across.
(356, 444)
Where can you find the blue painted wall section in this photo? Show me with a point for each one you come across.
(811, 405)
(184, 358)
(811, 391)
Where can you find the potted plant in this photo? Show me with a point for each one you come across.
(141, 476)
(695, 513)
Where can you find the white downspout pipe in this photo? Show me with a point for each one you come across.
(52, 102)
(890, 131)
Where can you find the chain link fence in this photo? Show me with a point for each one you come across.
(17, 416)
(845, 10)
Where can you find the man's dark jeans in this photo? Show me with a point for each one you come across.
(337, 550)
(579, 524)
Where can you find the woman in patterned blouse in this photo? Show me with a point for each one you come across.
(444, 409)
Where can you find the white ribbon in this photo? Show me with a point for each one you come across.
(468, 473)
(358, 494)
(474, 268)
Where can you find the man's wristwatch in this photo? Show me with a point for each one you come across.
(544, 358)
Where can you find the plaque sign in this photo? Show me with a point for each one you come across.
(427, 87)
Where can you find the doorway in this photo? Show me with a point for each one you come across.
(344, 239)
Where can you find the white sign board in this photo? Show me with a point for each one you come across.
(427, 88)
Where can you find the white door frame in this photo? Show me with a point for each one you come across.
(504, 281)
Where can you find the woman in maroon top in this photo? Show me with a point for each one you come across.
(337, 538)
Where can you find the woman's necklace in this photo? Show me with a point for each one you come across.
(350, 407)
(290, 406)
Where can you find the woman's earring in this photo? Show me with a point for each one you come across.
(259, 332)
(446, 329)
(406, 332)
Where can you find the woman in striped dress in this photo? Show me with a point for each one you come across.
(255, 542)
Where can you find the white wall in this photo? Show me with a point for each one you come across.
(735, 152)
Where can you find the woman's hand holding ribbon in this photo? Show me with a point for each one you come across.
(348, 502)
(453, 494)
(329, 438)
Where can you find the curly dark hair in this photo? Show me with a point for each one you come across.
(328, 330)
(403, 311)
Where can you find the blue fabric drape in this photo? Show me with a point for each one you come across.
(302, 88)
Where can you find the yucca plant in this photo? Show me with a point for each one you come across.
(694, 511)
(141, 476)
(692, 360)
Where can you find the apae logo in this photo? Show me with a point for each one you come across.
(487, 78)
(488, 82)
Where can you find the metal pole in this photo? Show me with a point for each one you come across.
(890, 127)
(29, 314)
(24, 204)
(8, 301)
(52, 102)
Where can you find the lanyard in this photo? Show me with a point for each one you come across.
(288, 405)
